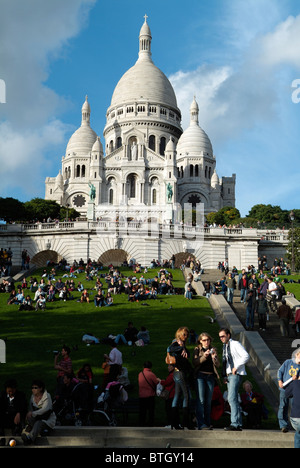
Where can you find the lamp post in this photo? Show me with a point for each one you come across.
(292, 218)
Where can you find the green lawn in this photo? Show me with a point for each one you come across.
(32, 336)
(292, 287)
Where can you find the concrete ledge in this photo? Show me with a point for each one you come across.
(263, 358)
(292, 302)
(219, 303)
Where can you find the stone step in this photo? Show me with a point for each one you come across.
(130, 437)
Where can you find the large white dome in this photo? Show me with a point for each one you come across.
(144, 81)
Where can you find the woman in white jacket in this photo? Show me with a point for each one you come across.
(41, 416)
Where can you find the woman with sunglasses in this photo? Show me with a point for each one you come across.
(41, 416)
(181, 376)
(205, 360)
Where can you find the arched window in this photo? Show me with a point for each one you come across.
(111, 196)
(77, 170)
(191, 170)
(162, 146)
(154, 195)
(132, 186)
(152, 142)
(83, 170)
(119, 142)
(196, 170)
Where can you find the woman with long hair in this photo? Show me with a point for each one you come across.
(205, 360)
(181, 376)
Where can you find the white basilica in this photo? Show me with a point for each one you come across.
(147, 160)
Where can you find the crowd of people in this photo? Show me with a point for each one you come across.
(50, 288)
(262, 293)
(41, 414)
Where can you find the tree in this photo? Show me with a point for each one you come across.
(69, 213)
(40, 209)
(268, 214)
(226, 215)
(293, 248)
(11, 209)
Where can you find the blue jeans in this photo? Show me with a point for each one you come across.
(230, 292)
(243, 295)
(250, 317)
(205, 389)
(233, 385)
(296, 425)
(122, 338)
(283, 411)
(180, 387)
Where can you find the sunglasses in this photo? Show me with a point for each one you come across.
(35, 388)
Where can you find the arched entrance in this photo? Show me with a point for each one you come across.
(182, 257)
(115, 257)
(41, 258)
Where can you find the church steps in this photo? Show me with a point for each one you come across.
(161, 438)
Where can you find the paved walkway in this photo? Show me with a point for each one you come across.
(280, 346)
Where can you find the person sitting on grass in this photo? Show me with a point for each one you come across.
(85, 297)
(26, 304)
(38, 293)
(108, 300)
(188, 292)
(64, 294)
(99, 299)
(40, 303)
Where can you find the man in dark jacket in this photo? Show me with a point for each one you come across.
(285, 314)
(243, 287)
(13, 408)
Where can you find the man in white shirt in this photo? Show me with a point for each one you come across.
(115, 361)
(272, 294)
(234, 359)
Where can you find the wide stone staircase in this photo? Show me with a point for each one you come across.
(159, 438)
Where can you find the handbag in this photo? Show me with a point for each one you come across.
(170, 359)
(162, 392)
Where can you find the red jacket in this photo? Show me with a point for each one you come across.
(169, 384)
(147, 383)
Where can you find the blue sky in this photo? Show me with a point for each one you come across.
(238, 57)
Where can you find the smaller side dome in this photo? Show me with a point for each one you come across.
(171, 146)
(97, 146)
(82, 140)
(59, 181)
(194, 139)
(214, 179)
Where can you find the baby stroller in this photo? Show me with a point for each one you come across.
(112, 398)
(73, 409)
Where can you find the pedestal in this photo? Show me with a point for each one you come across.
(169, 213)
(91, 211)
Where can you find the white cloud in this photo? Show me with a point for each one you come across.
(282, 45)
(23, 155)
(241, 98)
(203, 83)
(32, 35)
